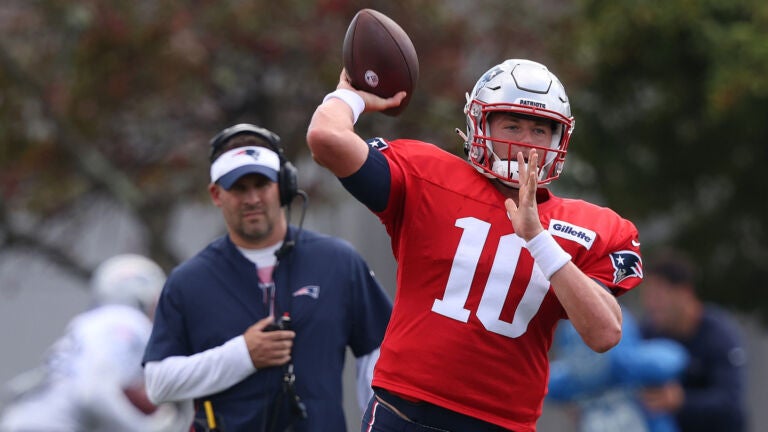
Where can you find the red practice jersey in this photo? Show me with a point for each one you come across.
(474, 317)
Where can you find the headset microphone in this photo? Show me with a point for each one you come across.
(298, 409)
(284, 249)
(290, 243)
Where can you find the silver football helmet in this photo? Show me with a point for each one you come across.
(521, 87)
(128, 279)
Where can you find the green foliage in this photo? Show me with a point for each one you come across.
(670, 106)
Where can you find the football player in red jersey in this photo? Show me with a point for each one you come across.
(488, 258)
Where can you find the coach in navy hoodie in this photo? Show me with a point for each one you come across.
(255, 327)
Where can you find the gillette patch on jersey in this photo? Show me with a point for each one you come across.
(626, 264)
(378, 143)
(572, 232)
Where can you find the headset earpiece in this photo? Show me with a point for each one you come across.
(287, 181)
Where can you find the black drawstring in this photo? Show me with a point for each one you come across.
(289, 388)
(298, 410)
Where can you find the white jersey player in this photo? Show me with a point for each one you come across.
(92, 379)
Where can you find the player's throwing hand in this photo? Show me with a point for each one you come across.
(373, 102)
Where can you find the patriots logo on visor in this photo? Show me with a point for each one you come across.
(254, 153)
(626, 264)
(309, 290)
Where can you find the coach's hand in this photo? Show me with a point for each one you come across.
(272, 348)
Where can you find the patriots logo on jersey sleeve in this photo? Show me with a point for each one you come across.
(626, 264)
(378, 143)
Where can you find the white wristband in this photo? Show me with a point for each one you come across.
(549, 256)
(352, 99)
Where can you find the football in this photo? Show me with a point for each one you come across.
(380, 58)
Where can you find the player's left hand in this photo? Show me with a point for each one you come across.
(525, 214)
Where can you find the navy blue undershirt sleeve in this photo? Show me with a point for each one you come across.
(371, 183)
(613, 292)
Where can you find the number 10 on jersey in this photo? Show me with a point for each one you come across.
(465, 260)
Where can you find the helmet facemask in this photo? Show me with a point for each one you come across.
(524, 89)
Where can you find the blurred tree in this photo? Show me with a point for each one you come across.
(114, 101)
(670, 101)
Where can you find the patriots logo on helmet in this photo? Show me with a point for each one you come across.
(378, 143)
(309, 290)
(626, 264)
(491, 74)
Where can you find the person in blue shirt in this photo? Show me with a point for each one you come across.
(710, 396)
(255, 327)
(605, 388)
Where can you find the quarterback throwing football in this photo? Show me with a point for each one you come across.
(488, 258)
